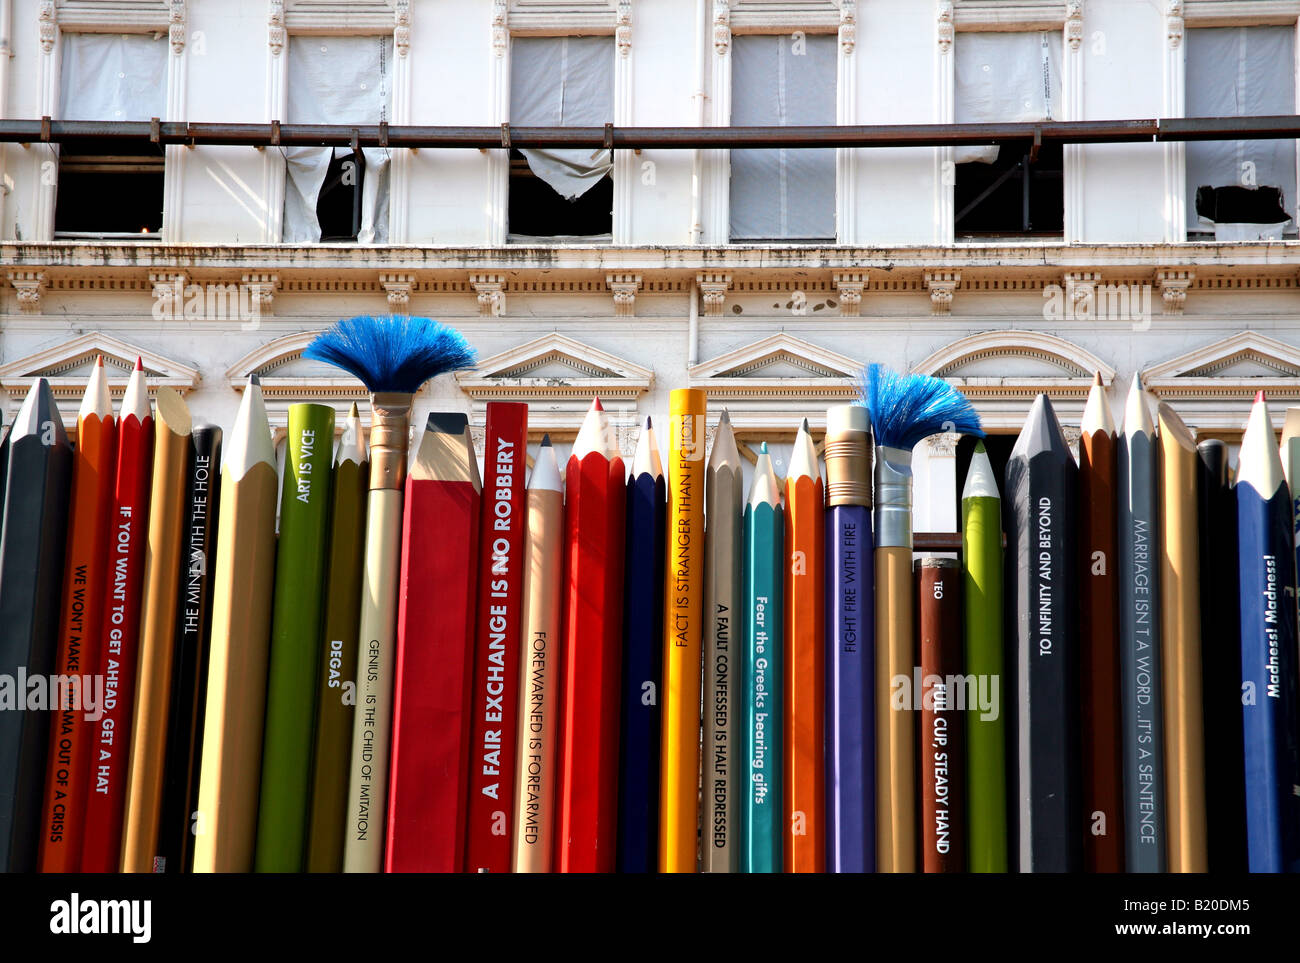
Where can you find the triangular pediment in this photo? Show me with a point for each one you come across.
(555, 356)
(779, 355)
(288, 378)
(1246, 354)
(67, 365)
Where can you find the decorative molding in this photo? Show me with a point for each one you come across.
(339, 16)
(944, 26)
(1074, 24)
(849, 286)
(943, 445)
(1174, 283)
(168, 285)
(755, 397)
(721, 27)
(558, 17)
(713, 292)
(320, 383)
(58, 365)
(785, 16)
(623, 28)
(561, 376)
(980, 15)
(1227, 13)
(1174, 23)
(500, 27)
(176, 26)
(29, 286)
(262, 286)
(848, 26)
(1080, 287)
(491, 294)
(1208, 398)
(398, 286)
(275, 26)
(47, 21)
(624, 287)
(941, 285)
(402, 27)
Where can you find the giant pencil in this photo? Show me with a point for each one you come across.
(724, 503)
(242, 593)
(805, 664)
(679, 772)
(124, 581)
(1041, 498)
(495, 701)
(283, 805)
(336, 683)
(1180, 642)
(586, 828)
(1266, 555)
(33, 532)
(1225, 778)
(539, 680)
(81, 615)
(1290, 454)
(942, 737)
(428, 789)
(643, 614)
(144, 787)
(850, 649)
(1142, 732)
(190, 660)
(761, 689)
(1103, 780)
(986, 751)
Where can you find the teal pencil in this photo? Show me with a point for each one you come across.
(284, 805)
(761, 691)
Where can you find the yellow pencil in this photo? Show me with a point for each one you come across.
(683, 631)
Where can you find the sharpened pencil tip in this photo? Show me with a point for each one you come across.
(99, 361)
(1096, 379)
(354, 411)
(596, 405)
(724, 418)
(648, 424)
(255, 379)
(762, 449)
(546, 441)
(979, 448)
(1259, 395)
(139, 363)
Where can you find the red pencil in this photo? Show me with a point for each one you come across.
(71, 729)
(428, 782)
(127, 536)
(495, 698)
(595, 495)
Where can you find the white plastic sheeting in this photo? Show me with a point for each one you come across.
(1233, 72)
(1005, 78)
(111, 76)
(337, 80)
(564, 82)
(786, 81)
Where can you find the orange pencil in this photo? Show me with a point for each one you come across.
(805, 674)
(67, 773)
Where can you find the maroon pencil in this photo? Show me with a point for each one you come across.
(942, 741)
(1103, 785)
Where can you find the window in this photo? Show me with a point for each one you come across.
(111, 187)
(569, 193)
(333, 193)
(1240, 189)
(779, 194)
(1006, 78)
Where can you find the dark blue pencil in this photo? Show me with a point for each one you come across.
(638, 789)
(1268, 651)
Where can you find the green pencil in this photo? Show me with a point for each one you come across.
(986, 765)
(336, 685)
(295, 641)
(761, 692)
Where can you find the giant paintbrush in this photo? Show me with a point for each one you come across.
(393, 356)
(904, 409)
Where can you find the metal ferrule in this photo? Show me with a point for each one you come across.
(848, 468)
(893, 497)
(390, 434)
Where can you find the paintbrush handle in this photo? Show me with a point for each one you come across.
(363, 848)
(895, 732)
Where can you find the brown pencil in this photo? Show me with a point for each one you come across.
(942, 739)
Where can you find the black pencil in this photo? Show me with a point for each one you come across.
(1042, 624)
(33, 530)
(190, 655)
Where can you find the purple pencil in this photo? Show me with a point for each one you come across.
(850, 652)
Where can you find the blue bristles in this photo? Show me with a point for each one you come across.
(392, 352)
(905, 408)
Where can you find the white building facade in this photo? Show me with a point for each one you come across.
(767, 278)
